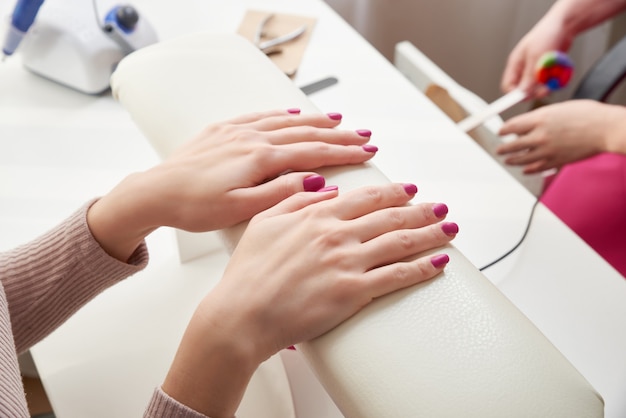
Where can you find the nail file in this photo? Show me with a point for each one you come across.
(554, 70)
(319, 85)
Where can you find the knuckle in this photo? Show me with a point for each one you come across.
(404, 240)
(374, 194)
(402, 274)
(396, 218)
(422, 270)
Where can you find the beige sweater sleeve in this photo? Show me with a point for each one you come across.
(43, 284)
(49, 279)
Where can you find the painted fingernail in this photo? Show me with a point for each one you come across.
(313, 183)
(294, 111)
(369, 148)
(450, 228)
(291, 347)
(409, 188)
(440, 260)
(334, 116)
(364, 132)
(440, 209)
(328, 189)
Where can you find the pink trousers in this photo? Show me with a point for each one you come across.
(590, 197)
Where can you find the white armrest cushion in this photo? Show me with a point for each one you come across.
(451, 347)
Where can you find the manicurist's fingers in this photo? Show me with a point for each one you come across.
(519, 125)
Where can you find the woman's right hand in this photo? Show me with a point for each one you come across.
(300, 269)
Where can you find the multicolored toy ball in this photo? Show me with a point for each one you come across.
(554, 70)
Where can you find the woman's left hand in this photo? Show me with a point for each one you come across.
(555, 135)
(228, 173)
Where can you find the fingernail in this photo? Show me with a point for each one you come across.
(440, 209)
(409, 188)
(291, 347)
(450, 228)
(334, 116)
(313, 183)
(294, 111)
(440, 260)
(370, 148)
(364, 132)
(328, 189)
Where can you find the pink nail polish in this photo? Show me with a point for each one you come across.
(450, 228)
(364, 132)
(369, 148)
(440, 210)
(328, 189)
(409, 188)
(334, 116)
(294, 111)
(313, 183)
(440, 260)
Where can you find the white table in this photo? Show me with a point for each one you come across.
(59, 148)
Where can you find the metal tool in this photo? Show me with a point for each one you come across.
(318, 85)
(270, 44)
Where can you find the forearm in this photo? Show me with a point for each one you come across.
(212, 367)
(576, 16)
(50, 278)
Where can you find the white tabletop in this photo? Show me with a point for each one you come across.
(59, 148)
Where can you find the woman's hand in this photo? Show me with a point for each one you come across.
(554, 32)
(554, 135)
(225, 175)
(300, 269)
(548, 34)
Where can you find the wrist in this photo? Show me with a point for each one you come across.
(615, 129)
(118, 220)
(212, 367)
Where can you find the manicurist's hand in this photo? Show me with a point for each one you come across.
(549, 34)
(558, 134)
(300, 269)
(226, 174)
(556, 31)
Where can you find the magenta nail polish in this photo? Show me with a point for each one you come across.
(409, 188)
(313, 183)
(294, 111)
(440, 260)
(450, 228)
(369, 148)
(364, 132)
(334, 116)
(328, 189)
(440, 210)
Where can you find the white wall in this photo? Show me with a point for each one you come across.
(469, 39)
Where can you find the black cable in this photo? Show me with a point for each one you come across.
(516, 246)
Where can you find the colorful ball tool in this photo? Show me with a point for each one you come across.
(554, 70)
